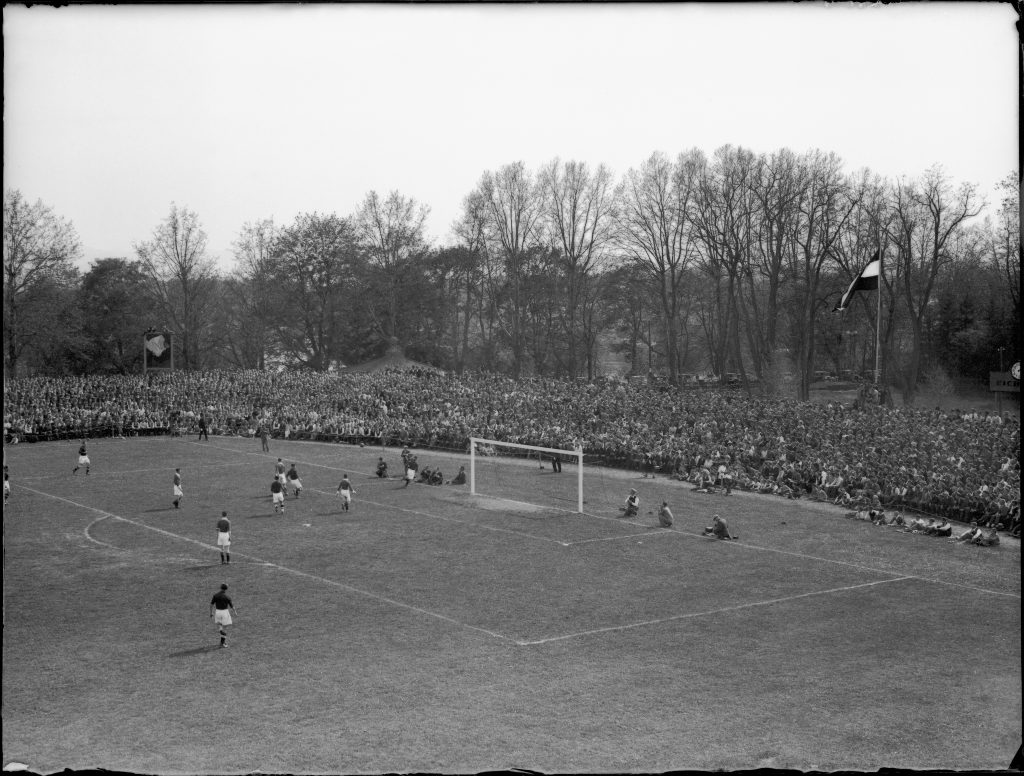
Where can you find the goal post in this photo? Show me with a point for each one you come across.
(475, 442)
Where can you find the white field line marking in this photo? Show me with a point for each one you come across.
(812, 557)
(332, 582)
(713, 611)
(91, 538)
(651, 532)
(621, 520)
(450, 519)
(414, 511)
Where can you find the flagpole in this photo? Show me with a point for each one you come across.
(878, 320)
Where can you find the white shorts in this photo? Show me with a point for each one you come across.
(222, 616)
(83, 460)
(281, 479)
(297, 484)
(279, 497)
(223, 538)
(346, 495)
(178, 491)
(410, 474)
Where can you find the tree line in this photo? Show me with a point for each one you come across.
(728, 264)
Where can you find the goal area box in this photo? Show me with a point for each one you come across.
(494, 453)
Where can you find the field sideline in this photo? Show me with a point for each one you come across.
(429, 630)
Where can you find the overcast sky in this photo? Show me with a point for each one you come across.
(247, 112)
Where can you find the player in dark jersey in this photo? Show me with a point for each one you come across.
(221, 610)
(293, 479)
(382, 468)
(346, 491)
(83, 460)
(224, 537)
(277, 495)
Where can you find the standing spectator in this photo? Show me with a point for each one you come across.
(202, 428)
(224, 537)
(262, 433)
(221, 609)
(179, 494)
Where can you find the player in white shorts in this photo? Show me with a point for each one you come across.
(277, 495)
(178, 492)
(346, 491)
(293, 478)
(83, 460)
(221, 609)
(224, 537)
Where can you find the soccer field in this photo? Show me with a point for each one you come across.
(428, 630)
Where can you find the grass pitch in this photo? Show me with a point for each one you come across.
(429, 630)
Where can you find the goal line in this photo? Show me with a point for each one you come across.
(476, 442)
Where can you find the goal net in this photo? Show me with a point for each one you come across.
(519, 473)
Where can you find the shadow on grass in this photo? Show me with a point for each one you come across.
(196, 651)
(202, 566)
(269, 514)
(161, 509)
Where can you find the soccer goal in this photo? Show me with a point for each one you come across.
(494, 451)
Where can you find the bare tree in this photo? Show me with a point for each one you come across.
(514, 206)
(928, 214)
(579, 209)
(655, 231)
(251, 294)
(181, 279)
(392, 233)
(39, 248)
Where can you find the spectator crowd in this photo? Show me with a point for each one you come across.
(960, 465)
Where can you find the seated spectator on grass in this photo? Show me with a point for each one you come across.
(719, 529)
(941, 528)
(460, 478)
(969, 535)
(986, 538)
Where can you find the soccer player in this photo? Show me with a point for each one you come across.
(277, 495)
(221, 610)
(279, 471)
(224, 537)
(293, 478)
(178, 492)
(411, 467)
(382, 468)
(719, 529)
(83, 460)
(7, 487)
(346, 491)
(665, 515)
(632, 506)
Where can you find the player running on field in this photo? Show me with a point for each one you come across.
(221, 610)
(382, 468)
(224, 537)
(277, 495)
(279, 471)
(411, 467)
(179, 494)
(346, 491)
(293, 478)
(83, 460)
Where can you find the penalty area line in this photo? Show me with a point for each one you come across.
(297, 572)
(644, 623)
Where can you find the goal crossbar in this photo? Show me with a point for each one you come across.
(577, 454)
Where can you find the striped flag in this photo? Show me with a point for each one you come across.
(867, 280)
